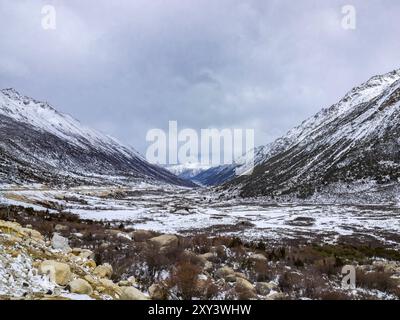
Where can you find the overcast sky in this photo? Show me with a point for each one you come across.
(124, 67)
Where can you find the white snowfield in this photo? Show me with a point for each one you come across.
(185, 211)
(47, 119)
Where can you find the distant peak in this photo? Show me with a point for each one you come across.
(15, 95)
(390, 76)
(11, 93)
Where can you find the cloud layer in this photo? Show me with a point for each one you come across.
(125, 67)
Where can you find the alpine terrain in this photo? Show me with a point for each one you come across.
(41, 145)
(351, 149)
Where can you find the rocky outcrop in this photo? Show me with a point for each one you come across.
(103, 271)
(80, 286)
(59, 272)
(33, 269)
(165, 241)
(60, 243)
(131, 293)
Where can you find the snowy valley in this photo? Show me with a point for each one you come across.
(324, 195)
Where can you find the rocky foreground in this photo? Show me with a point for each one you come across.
(32, 268)
(59, 256)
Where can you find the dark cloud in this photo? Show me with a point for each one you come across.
(125, 67)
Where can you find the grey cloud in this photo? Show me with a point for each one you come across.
(125, 67)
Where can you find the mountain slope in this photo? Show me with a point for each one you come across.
(355, 144)
(187, 171)
(40, 144)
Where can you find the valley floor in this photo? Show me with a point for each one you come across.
(193, 211)
(191, 244)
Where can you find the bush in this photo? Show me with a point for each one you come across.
(377, 280)
(185, 278)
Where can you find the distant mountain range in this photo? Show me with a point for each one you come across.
(353, 147)
(41, 145)
(188, 171)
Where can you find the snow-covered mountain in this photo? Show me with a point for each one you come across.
(40, 144)
(187, 171)
(353, 146)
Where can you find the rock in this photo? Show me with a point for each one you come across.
(60, 227)
(131, 281)
(90, 264)
(60, 273)
(91, 280)
(244, 285)
(276, 296)
(33, 234)
(83, 253)
(230, 278)
(258, 258)
(166, 241)
(158, 292)
(141, 235)
(209, 256)
(11, 228)
(240, 275)
(103, 271)
(108, 287)
(264, 288)
(60, 243)
(208, 266)
(224, 272)
(131, 293)
(80, 286)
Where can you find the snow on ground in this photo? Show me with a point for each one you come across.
(17, 276)
(184, 211)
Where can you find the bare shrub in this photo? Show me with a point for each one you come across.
(185, 279)
(377, 280)
(327, 266)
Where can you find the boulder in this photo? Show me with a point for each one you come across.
(83, 253)
(33, 234)
(141, 235)
(108, 287)
(91, 280)
(12, 228)
(208, 266)
(103, 271)
(131, 293)
(244, 285)
(240, 275)
(264, 288)
(276, 296)
(59, 273)
(230, 278)
(91, 264)
(60, 227)
(209, 256)
(258, 258)
(165, 241)
(224, 272)
(80, 286)
(131, 281)
(158, 292)
(60, 243)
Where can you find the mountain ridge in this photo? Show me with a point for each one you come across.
(341, 144)
(40, 144)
